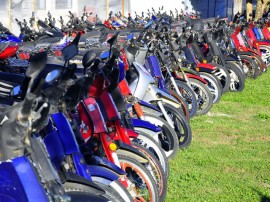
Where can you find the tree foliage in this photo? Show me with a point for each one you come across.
(261, 5)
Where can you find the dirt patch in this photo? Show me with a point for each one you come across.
(266, 185)
(218, 114)
(222, 140)
(252, 139)
(234, 170)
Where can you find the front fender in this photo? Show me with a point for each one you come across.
(150, 106)
(103, 172)
(128, 150)
(197, 78)
(208, 68)
(145, 124)
(160, 94)
(102, 162)
(190, 71)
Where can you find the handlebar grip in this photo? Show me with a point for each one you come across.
(27, 105)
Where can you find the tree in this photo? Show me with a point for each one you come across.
(249, 9)
(260, 7)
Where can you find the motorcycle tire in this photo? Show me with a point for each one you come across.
(204, 96)
(181, 126)
(140, 176)
(188, 95)
(156, 170)
(213, 85)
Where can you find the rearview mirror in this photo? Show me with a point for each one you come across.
(113, 38)
(69, 51)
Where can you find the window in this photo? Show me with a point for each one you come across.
(63, 4)
(41, 4)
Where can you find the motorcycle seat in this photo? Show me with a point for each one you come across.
(90, 35)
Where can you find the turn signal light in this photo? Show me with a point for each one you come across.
(204, 61)
(197, 69)
(112, 146)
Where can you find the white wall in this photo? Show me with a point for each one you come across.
(143, 5)
(25, 12)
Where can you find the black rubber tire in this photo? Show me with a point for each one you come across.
(110, 194)
(262, 49)
(153, 146)
(187, 94)
(155, 169)
(168, 138)
(223, 75)
(239, 66)
(204, 96)
(213, 85)
(237, 78)
(77, 196)
(181, 126)
(117, 186)
(136, 170)
(250, 66)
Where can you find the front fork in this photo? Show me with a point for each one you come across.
(176, 87)
(165, 114)
(113, 157)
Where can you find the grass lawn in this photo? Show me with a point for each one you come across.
(229, 158)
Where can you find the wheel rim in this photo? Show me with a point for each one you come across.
(149, 145)
(212, 87)
(235, 82)
(136, 176)
(248, 68)
(201, 96)
(154, 171)
(186, 95)
(221, 75)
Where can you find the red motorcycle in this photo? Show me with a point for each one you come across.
(103, 127)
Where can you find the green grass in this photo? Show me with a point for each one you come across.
(229, 158)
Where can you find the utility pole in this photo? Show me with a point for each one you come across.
(123, 7)
(34, 13)
(34, 8)
(107, 8)
(9, 15)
